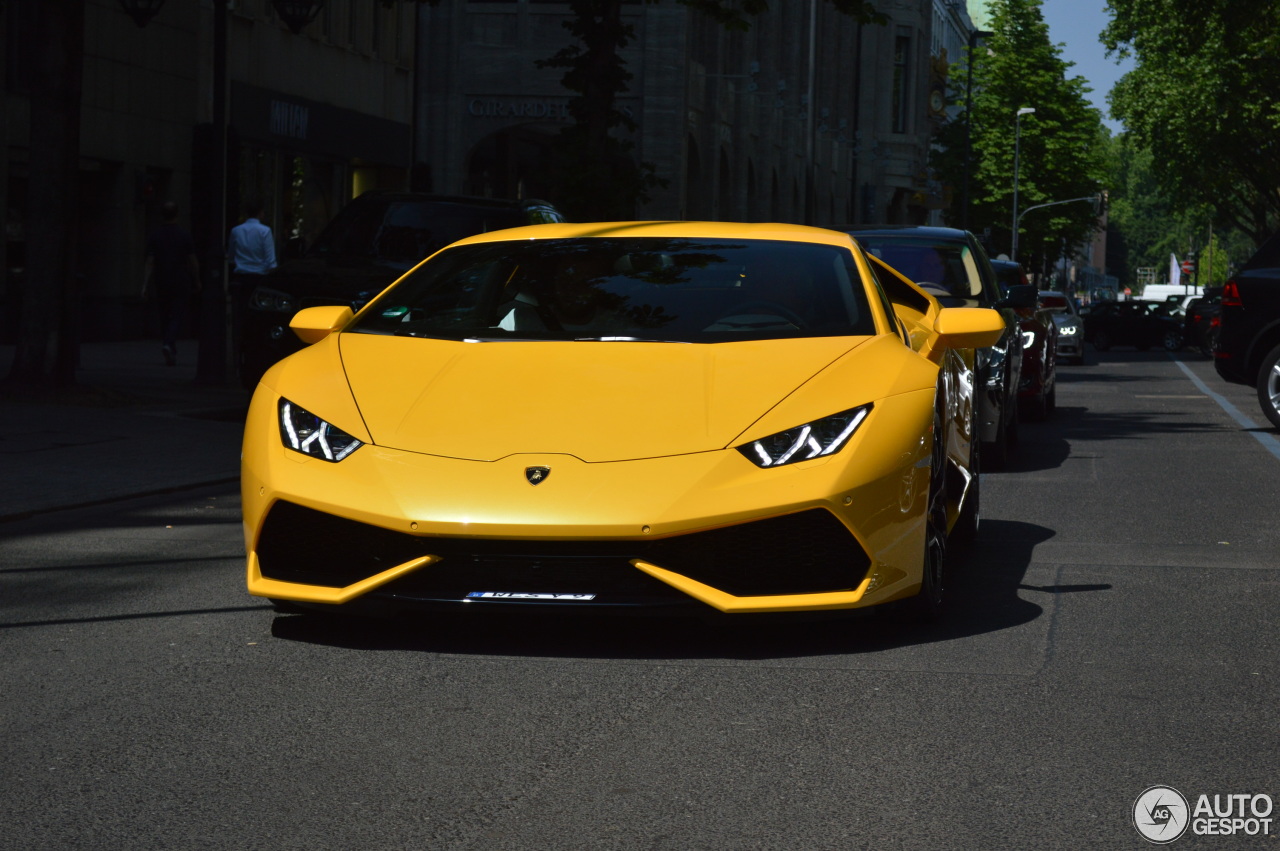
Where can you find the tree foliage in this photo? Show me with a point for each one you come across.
(1061, 144)
(1204, 97)
(594, 172)
(1148, 227)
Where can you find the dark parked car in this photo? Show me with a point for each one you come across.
(1202, 321)
(372, 241)
(1038, 387)
(954, 262)
(1141, 324)
(1248, 346)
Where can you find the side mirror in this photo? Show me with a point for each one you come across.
(968, 327)
(315, 323)
(1021, 297)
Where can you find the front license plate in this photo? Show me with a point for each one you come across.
(529, 595)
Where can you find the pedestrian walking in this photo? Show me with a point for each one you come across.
(173, 274)
(252, 253)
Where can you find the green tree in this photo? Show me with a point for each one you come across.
(595, 172)
(1204, 97)
(1150, 226)
(1061, 150)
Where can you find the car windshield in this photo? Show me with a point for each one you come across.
(627, 289)
(1055, 303)
(950, 265)
(404, 232)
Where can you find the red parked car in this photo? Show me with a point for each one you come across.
(1038, 387)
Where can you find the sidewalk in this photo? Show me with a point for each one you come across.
(141, 427)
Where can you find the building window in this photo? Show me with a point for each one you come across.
(901, 79)
(353, 24)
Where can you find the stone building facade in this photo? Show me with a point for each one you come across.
(313, 119)
(807, 117)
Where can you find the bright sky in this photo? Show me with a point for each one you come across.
(1075, 25)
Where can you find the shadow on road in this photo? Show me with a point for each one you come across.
(985, 584)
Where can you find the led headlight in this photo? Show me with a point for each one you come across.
(264, 298)
(1028, 339)
(1069, 330)
(304, 432)
(811, 440)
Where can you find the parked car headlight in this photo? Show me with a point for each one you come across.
(264, 298)
(811, 440)
(302, 431)
(1069, 330)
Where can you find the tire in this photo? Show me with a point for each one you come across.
(928, 606)
(1269, 386)
(1173, 341)
(1051, 400)
(1102, 341)
(1208, 343)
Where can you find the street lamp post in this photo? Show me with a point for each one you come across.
(1017, 139)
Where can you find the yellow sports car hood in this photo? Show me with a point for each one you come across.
(597, 401)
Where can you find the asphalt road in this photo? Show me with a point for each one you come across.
(1116, 629)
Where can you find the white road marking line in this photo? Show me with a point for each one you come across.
(1268, 441)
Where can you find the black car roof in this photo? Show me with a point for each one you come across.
(949, 234)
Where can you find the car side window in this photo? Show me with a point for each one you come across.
(878, 285)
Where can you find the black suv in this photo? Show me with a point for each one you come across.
(954, 260)
(372, 241)
(1141, 324)
(1248, 345)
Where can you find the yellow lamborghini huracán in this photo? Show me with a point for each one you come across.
(697, 415)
